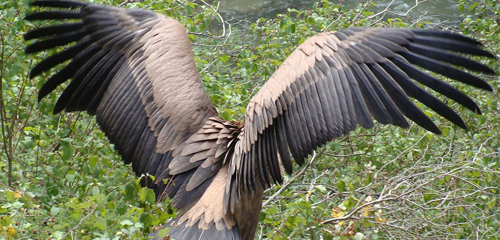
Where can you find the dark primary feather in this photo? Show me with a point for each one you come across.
(53, 30)
(446, 35)
(446, 70)
(54, 15)
(448, 57)
(451, 44)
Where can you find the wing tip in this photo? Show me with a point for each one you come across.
(435, 130)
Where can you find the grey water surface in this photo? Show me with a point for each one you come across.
(438, 11)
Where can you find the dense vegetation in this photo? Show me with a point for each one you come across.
(61, 179)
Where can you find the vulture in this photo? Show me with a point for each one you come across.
(134, 70)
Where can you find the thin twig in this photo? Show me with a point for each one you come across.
(80, 223)
(290, 181)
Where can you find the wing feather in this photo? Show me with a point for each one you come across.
(446, 70)
(374, 103)
(396, 115)
(436, 84)
(319, 121)
(340, 79)
(144, 90)
(362, 114)
(335, 117)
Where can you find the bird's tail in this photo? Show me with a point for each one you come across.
(205, 219)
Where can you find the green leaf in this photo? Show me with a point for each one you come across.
(224, 58)
(126, 222)
(142, 194)
(321, 188)
(350, 203)
(164, 232)
(54, 210)
(150, 197)
(67, 150)
(272, 210)
(10, 196)
(130, 191)
(341, 186)
(290, 28)
(95, 191)
(262, 216)
(93, 161)
(100, 223)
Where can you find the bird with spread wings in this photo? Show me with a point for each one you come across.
(134, 70)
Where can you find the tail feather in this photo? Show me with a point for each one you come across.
(206, 219)
(181, 231)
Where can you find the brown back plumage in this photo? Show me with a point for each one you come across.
(135, 71)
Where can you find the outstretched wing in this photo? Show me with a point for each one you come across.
(336, 80)
(135, 71)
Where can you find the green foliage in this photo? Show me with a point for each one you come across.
(61, 179)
